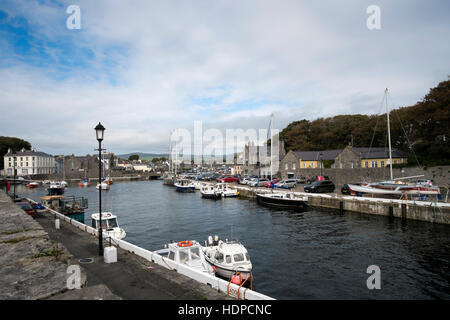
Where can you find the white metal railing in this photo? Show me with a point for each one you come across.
(215, 282)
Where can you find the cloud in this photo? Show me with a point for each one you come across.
(144, 68)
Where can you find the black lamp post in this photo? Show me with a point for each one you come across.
(99, 131)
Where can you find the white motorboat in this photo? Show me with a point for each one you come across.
(395, 187)
(103, 185)
(230, 259)
(189, 253)
(64, 183)
(55, 188)
(109, 225)
(226, 191)
(209, 191)
(198, 185)
(184, 185)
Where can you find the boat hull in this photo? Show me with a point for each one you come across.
(55, 191)
(282, 203)
(228, 273)
(214, 196)
(185, 189)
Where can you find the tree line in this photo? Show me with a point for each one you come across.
(421, 130)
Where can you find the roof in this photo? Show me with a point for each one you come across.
(105, 216)
(28, 153)
(378, 153)
(315, 155)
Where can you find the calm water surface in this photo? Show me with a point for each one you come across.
(309, 255)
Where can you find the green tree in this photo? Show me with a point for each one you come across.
(133, 157)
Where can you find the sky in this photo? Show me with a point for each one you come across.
(146, 67)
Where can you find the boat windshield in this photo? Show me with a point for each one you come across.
(238, 257)
(112, 223)
(195, 253)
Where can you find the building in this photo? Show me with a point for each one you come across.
(28, 162)
(348, 158)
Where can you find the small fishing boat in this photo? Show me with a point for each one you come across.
(184, 185)
(208, 191)
(55, 188)
(84, 183)
(226, 191)
(32, 185)
(109, 225)
(394, 187)
(108, 180)
(230, 259)
(64, 183)
(103, 186)
(283, 200)
(189, 253)
(71, 206)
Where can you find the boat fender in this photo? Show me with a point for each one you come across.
(236, 279)
(76, 206)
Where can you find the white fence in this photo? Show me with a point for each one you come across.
(207, 279)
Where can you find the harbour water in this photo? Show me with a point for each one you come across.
(316, 254)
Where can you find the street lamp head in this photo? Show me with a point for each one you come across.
(99, 131)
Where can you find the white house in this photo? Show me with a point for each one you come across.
(28, 162)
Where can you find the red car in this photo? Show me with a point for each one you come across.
(25, 206)
(227, 179)
(267, 185)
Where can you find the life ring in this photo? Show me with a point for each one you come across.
(185, 243)
(76, 206)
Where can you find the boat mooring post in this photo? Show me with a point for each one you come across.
(99, 130)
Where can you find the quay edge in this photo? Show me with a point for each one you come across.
(435, 212)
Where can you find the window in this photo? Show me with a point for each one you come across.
(195, 253)
(219, 257)
(246, 255)
(374, 164)
(382, 163)
(286, 166)
(395, 161)
(304, 165)
(183, 256)
(112, 223)
(238, 257)
(94, 225)
(312, 164)
(366, 164)
(228, 259)
(293, 166)
(171, 255)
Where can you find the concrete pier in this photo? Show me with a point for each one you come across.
(34, 261)
(406, 209)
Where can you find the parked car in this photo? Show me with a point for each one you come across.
(268, 184)
(286, 184)
(227, 179)
(320, 186)
(255, 183)
(25, 206)
(317, 178)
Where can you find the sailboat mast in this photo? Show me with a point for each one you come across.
(271, 146)
(389, 135)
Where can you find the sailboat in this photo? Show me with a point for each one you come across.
(394, 186)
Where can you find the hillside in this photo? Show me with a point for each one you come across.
(422, 130)
(142, 155)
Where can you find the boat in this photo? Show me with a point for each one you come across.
(169, 179)
(283, 200)
(55, 188)
(225, 190)
(208, 191)
(84, 183)
(32, 185)
(64, 183)
(103, 186)
(71, 206)
(110, 225)
(230, 259)
(189, 253)
(184, 185)
(394, 186)
(108, 180)
(198, 185)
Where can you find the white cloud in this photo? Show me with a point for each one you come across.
(159, 65)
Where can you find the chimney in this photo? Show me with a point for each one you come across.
(9, 150)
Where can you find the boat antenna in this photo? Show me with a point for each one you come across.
(389, 135)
